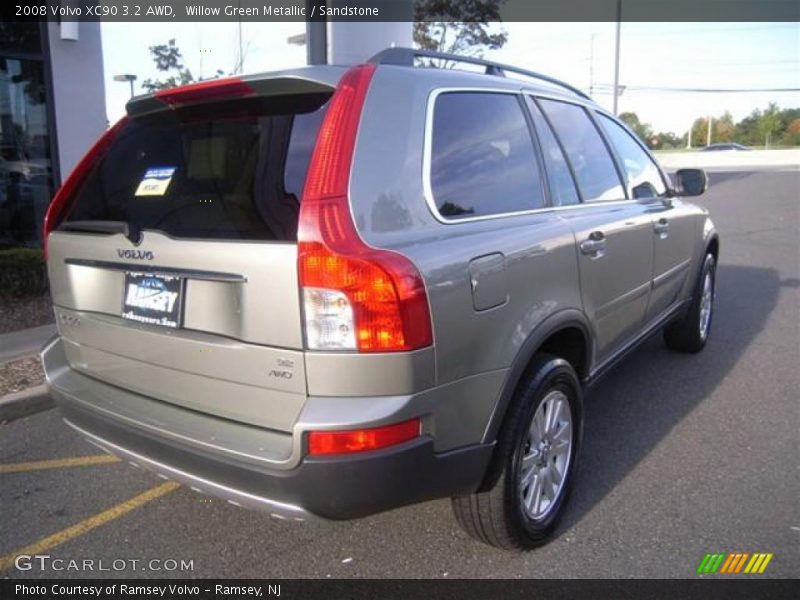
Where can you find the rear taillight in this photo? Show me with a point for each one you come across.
(65, 195)
(355, 297)
(321, 443)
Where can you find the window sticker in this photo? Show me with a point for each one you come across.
(155, 181)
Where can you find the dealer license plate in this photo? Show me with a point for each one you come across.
(153, 299)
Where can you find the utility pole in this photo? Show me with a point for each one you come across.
(708, 135)
(616, 57)
(240, 60)
(316, 37)
(689, 136)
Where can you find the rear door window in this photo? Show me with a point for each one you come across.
(644, 177)
(591, 162)
(482, 156)
(216, 175)
(562, 185)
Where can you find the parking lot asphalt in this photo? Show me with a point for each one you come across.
(682, 455)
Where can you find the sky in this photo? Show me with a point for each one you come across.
(663, 55)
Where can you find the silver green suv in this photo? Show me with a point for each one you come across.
(329, 292)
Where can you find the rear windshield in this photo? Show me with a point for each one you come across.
(217, 174)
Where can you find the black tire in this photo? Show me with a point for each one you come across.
(686, 334)
(497, 516)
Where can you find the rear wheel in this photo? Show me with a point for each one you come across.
(538, 447)
(690, 333)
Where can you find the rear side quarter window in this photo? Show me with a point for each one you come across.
(482, 158)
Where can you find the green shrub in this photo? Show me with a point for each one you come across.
(22, 272)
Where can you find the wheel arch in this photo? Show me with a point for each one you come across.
(570, 326)
(712, 246)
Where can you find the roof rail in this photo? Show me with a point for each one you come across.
(405, 57)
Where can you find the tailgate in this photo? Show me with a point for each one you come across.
(174, 273)
(237, 352)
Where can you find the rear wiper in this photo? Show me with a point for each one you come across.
(96, 227)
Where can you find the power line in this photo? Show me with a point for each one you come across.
(647, 88)
(714, 29)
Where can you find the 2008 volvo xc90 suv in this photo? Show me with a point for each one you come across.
(329, 291)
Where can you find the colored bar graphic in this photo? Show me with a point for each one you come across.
(728, 562)
(701, 567)
(718, 562)
(764, 564)
(752, 563)
(711, 562)
(741, 562)
(733, 562)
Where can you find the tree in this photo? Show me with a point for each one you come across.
(699, 131)
(724, 128)
(168, 58)
(769, 123)
(457, 26)
(668, 140)
(643, 130)
(747, 129)
(792, 135)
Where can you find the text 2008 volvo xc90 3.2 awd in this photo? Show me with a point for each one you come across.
(329, 292)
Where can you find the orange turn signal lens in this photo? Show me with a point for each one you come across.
(362, 440)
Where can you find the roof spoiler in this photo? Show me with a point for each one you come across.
(285, 83)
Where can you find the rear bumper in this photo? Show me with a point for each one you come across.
(335, 488)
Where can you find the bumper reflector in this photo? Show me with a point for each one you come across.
(362, 440)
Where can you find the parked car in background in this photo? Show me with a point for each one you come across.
(330, 292)
(723, 147)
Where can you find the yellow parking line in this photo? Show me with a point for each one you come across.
(58, 463)
(51, 541)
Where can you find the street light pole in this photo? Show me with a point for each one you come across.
(126, 77)
(616, 57)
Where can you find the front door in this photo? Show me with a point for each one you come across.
(613, 235)
(674, 238)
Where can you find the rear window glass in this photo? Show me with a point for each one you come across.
(220, 176)
(482, 156)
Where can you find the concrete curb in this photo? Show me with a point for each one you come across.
(25, 403)
(25, 342)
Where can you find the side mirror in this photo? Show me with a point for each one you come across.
(691, 182)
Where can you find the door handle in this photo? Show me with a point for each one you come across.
(661, 227)
(595, 246)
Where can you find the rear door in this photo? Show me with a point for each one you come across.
(613, 236)
(174, 273)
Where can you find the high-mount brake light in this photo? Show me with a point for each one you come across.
(355, 297)
(204, 91)
(62, 201)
